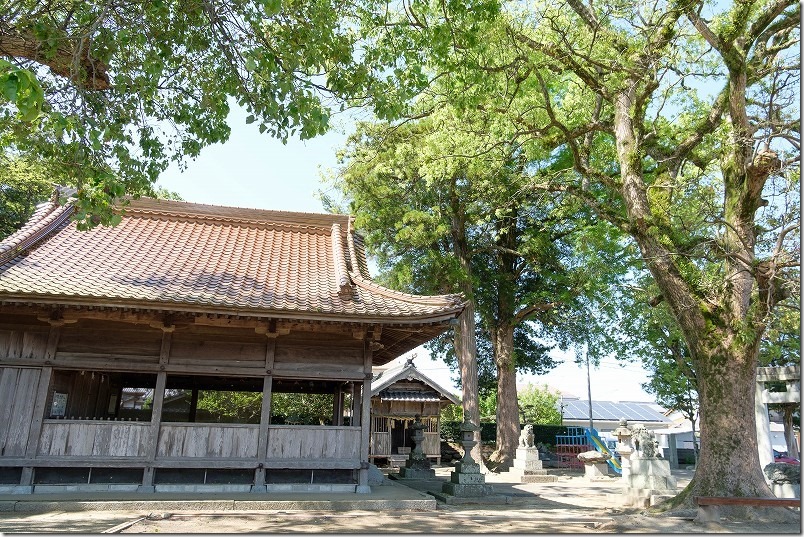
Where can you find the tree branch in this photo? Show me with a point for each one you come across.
(62, 60)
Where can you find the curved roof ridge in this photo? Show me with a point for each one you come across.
(202, 211)
(396, 373)
(47, 217)
(365, 281)
(454, 300)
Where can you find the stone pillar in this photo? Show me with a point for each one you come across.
(672, 451)
(764, 446)
(418, 465)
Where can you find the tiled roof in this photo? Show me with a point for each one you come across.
(189, 257)
(411, 396)
(383, 381)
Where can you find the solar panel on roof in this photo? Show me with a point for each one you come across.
(612, 411)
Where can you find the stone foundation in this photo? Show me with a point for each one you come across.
(649, 482)
(527, 467)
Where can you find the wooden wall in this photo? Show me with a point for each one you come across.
(18, 389)
(110, 348)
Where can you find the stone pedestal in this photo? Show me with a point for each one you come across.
(595, 464)
(528, 468)
(786, 490)
(596, 470)
(649, 481)
(467, 481)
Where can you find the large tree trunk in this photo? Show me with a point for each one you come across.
(507, 407)
(724, 353)
(466, 351)
(729, 460)
(465, 339)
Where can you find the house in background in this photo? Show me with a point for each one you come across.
(399, 394)
(98, 328)
(606, 415)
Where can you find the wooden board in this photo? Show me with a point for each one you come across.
(18, 388)
(75, 340)
(23, 345)
(92, 438)
(188, 349)
(380, 444)
(346, 352)
(313, 442)
(207, 440)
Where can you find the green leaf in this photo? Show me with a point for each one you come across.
(272, 7)
(10, 87)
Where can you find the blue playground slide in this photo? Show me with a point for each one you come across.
(600, 445)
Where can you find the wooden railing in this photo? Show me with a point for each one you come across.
(380, 444)
(93, 438)
(224, 440)
(98, 438)
(313, 442)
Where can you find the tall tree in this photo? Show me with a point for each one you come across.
(681, 121)
(440, 222)
(687, 174)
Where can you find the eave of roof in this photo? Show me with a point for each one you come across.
(255, 261)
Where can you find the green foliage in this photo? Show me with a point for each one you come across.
(539, 405)
(23, 185)
(302, 408)
(453, 413)
(230, 406)
(21, 88)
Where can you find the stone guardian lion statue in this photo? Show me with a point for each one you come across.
(526, 436)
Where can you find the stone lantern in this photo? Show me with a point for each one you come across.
(468, 442)
(624, 446)
(418, 465)
(466, 481)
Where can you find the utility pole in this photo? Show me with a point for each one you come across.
(589, 387)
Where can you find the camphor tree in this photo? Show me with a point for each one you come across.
(420, 207)
(682, 123)
(442, 221)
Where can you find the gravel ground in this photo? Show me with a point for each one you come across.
(570, 505)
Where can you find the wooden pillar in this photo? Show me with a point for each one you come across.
(42, 391)
(193, 405)
(365, 419)
(265, 414)
(156, 411)
(337, 406)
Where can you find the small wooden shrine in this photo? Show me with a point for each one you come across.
(398, 395)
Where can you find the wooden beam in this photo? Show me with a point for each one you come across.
(264, 433)
(156, 412)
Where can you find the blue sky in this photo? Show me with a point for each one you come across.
(254, 170)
